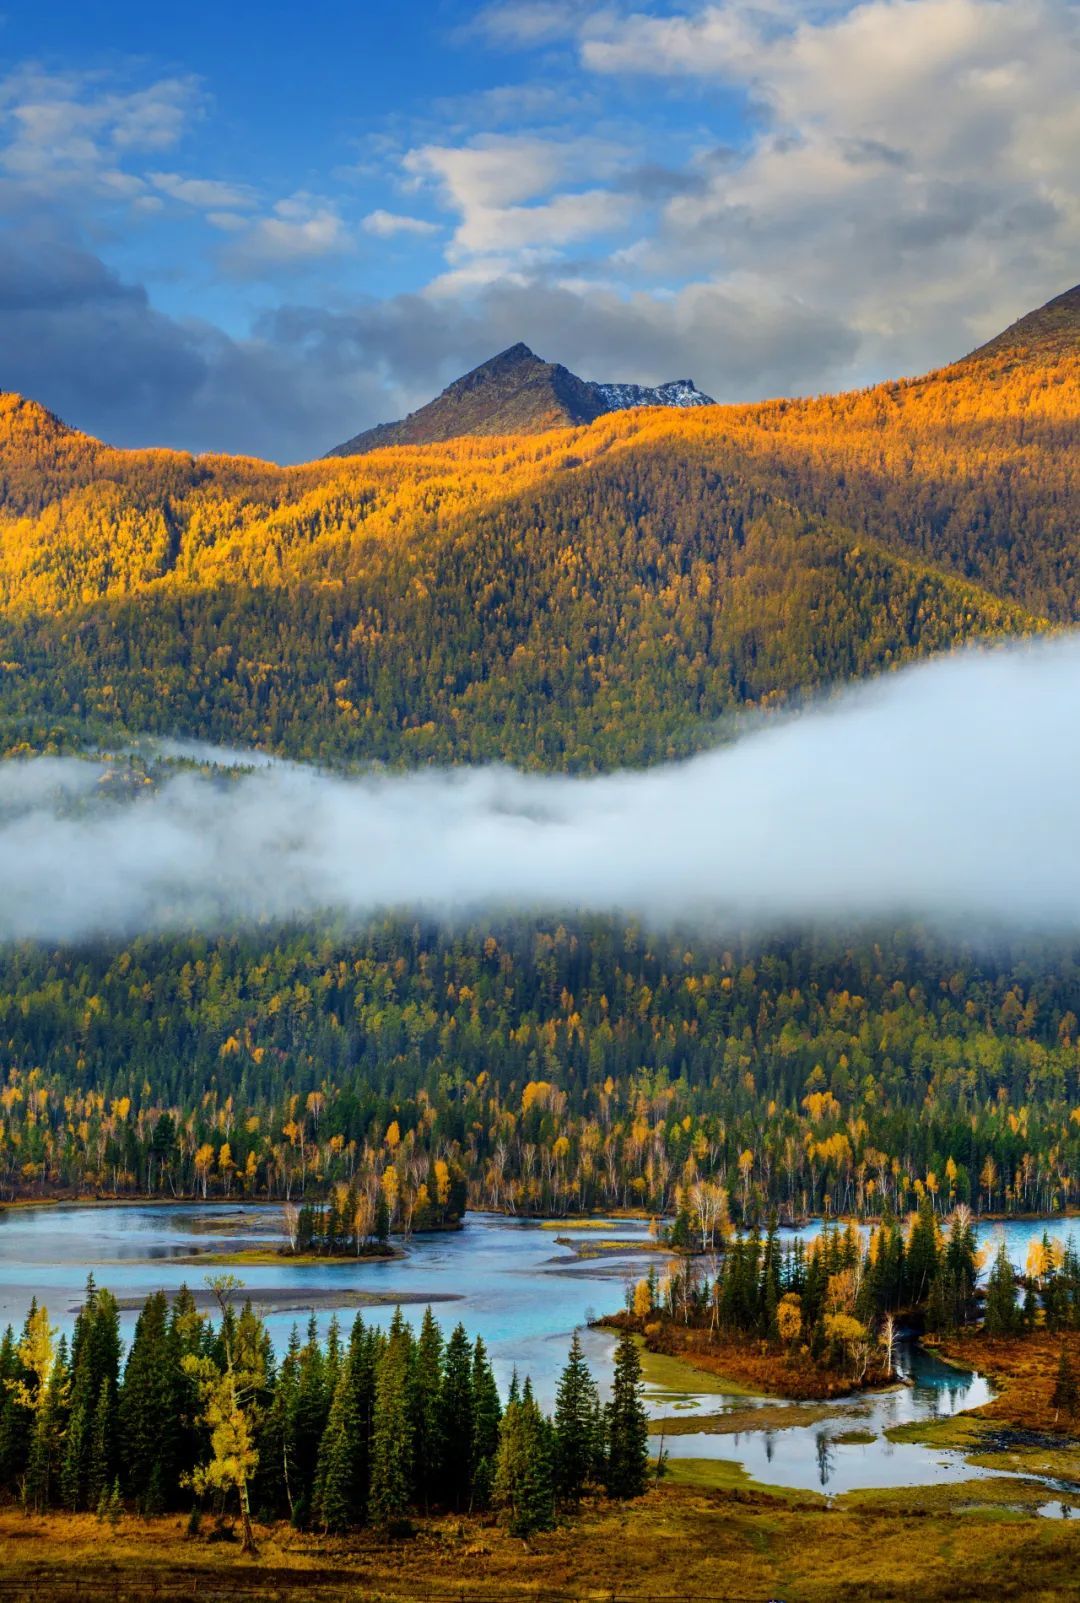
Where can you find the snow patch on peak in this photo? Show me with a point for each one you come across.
(677, 392)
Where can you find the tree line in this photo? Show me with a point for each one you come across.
(545, 1067)
(838, 1302)
(376, 1427)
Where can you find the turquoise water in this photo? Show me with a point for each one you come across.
(511, 1282)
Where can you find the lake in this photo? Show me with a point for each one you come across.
(512, 1283)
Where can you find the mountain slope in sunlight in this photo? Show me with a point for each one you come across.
(578, 598)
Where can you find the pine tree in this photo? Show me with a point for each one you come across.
(1066, 1394)
(575, 1424)
(487, 1412)
(456, 1419)
(335, 1500)
(627, 1424)
(426, 1414)
(524, 1478)
(391, 1442)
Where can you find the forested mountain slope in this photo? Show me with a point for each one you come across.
(576, 599)
(580, 598)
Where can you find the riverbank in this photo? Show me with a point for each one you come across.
(281, 1257)
(1020, 1429)
(752, 1367)
(300, 1300)
(724, 1541)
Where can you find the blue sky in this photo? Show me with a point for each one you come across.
(261, 227)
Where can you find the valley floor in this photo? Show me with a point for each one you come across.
(680, 1541)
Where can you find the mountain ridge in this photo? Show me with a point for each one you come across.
(576, 599)
(517, 392)
(1047, 332)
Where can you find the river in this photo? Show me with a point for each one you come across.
(507, 1280)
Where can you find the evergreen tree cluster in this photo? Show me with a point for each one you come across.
(834, 1295)
(831, 1296)
(378, 1427)
(544, 1067)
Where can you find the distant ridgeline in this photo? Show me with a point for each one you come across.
(588, 596)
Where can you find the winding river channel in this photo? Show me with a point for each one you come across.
(515, 1284)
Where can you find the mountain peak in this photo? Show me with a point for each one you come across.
(517, 392)
(1050, 331)
(514, 353)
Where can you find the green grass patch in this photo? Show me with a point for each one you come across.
(574, 1224)
(958, 1431)
(990, 1497)
(662, 1372)
(725, 1475)
(734, 1421)
(271, 1256)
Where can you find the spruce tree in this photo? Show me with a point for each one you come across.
(426, 1414)
(456, 1419)
(14, 1418)
(575, 1426)
(627, 1424)
(1066, 1394)
(391, 1442)
(487, 1412)
(147, 1412)
(335, 1499)
(309, 1422)
(95, 1369)
(936, 1319)
(101, 1472)
(1002, 1314)
(524, 1478)
(76, 1437)
(921, 1256)
(275, 1478)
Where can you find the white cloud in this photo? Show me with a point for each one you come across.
(72, 133)
(493, 171)
(204, 193)
(914, 169)
(488, 182)
(943, 793)
(525, 23)
(300, 230)
(385, 225)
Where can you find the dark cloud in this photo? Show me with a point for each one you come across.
(93, 349)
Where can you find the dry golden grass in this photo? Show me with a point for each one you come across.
(677, 1542)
